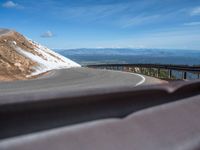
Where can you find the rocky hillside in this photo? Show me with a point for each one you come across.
(21, 58)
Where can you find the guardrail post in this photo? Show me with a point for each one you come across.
(170, 73)
(184, 75)
(149, 72)
(142, 70)
(158, 72)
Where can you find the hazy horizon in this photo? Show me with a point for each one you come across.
(121, 48)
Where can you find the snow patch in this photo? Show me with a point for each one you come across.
(15, 43)
(46, 60)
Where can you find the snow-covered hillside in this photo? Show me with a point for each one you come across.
(22, 58)
(45, 58)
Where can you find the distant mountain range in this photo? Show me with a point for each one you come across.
(130, 55)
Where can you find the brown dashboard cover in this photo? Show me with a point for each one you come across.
(147, 117)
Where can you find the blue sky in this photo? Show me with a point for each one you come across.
(169, 24)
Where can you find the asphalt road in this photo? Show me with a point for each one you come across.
(72, 80)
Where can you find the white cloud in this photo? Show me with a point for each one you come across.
(192, 24)
(195, 11)
(47, 34)
(11, 4)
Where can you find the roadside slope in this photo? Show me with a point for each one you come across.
(21, 58)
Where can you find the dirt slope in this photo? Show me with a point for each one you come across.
(16, 53)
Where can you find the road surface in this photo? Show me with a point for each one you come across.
(72, 80)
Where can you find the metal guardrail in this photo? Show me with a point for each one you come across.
(155, 70)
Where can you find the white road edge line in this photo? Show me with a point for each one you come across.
(142, 81)
(139, 83)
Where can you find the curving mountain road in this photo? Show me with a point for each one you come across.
(71, 81)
